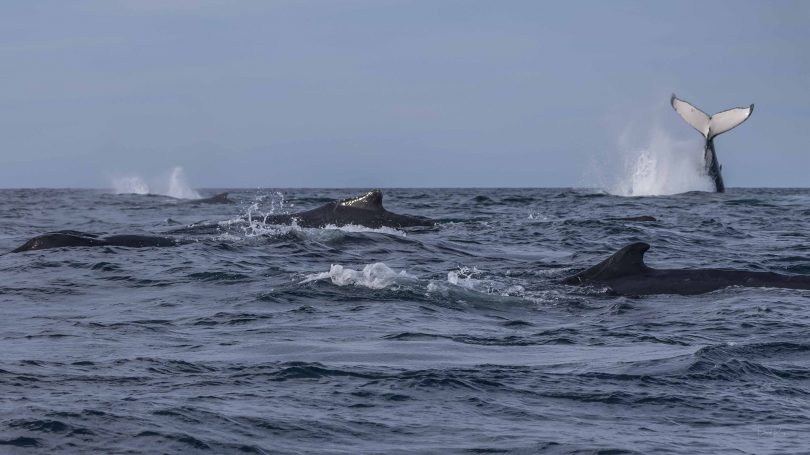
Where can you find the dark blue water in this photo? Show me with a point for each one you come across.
(459, 339)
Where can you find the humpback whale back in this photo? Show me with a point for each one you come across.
(369, 201)
(710, 125)
(70, 238)
(624, 273)
(221, 198)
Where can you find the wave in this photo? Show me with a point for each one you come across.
(465, 277)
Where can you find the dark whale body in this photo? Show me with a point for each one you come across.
(366, 210)
(221, 198)
(641, 218)
(63, 239)
(625, 273)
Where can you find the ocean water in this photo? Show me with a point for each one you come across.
(458, 339)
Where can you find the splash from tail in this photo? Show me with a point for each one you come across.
(655, 165)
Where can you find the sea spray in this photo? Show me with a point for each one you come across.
(129, 185)
(651, 162)
(173, 185)
(179, 187)
(373, 276)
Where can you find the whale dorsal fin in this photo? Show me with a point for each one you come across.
(369, 201)
(626, 261)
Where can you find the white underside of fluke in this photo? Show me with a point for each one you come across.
(711, 126)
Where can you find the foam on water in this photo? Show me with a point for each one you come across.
(373, 276)
(460, 286)
(254, 227)
(464, 277)
(470, 278)
(358, 228)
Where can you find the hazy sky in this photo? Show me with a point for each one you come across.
(391, 93)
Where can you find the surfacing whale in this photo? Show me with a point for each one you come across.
(221, 198)
(625, 273)
(366, 210)
(640, 218)
(63, 239)
(709, 127)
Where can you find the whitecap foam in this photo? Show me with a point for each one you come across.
(465, 277)
(373, 276)
(445, 290)
(253, 228)
(358, 228)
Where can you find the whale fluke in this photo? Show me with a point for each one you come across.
(709, 127)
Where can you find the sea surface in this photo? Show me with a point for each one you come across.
(458, 339)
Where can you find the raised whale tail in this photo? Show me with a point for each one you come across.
(710, 125)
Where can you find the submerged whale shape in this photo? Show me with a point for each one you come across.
(366, 210)
(640, 218)
(221, 198)
(625, 273)
(62, 239)
(710, 126)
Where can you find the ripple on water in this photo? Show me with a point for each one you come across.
(281, 339)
